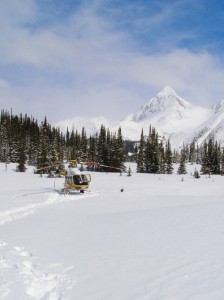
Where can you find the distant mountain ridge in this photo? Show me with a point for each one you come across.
(173, 117)
(92, 125)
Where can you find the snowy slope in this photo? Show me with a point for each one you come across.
(91, 125)
(165, 101)
(162, 238)
(214, 127)
(172, 116)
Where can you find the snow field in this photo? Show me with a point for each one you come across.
(161, 238)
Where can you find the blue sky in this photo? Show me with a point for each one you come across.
(108, 57)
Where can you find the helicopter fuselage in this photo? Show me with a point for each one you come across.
(76, 181)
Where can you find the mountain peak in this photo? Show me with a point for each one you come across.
(165, 101)
(167, 91)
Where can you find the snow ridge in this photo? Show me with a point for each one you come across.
(173, 117)
(166, 100)
(91, 125)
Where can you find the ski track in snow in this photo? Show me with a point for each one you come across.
(19, 267)
(21, 212)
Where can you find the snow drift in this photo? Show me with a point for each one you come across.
(161, 238)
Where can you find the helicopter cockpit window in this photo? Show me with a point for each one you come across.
(80, 179)
(77, 179)
(84, 179)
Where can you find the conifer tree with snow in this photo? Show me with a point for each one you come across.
(196, 173)
(73, 145)
(92, 155)
(129, 171)
(21, 158)
(168, 159)
(152, 152)
(151, 155)
(192, 153)
(110, 150)
(162, 160)
(216, 159)
(102, 147)
(43, 159)
(141, 154)
(182, 165)
(32, 141)
(205, 162)
(119, 151)
(5, 137)
(211, 157)
(83, 145)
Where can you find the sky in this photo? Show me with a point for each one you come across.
(92, 58)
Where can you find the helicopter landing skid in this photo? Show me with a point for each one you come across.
(67, 191)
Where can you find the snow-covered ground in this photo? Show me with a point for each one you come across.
(162, 238)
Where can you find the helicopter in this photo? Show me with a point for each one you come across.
(74, 179)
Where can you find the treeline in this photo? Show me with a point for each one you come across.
(153, 156)
(24, 141)
(210, 155)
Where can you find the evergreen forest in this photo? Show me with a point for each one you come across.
(24, 141)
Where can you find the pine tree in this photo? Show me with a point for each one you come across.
(101, 145)
(33, 142)
(15, 134)
(43, 159)
(162, 160)
(92, 156)
(182, 166)
(211, 157)
(196, 173)
(152, 153)
(83, 145)
(205, 162)
(192, 154)
(119, 151)
(216, 159)
(141, 154)
(5, 137)
(21, 158)
(168, 159)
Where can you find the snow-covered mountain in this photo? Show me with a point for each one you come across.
(172, 116)
(91, 125)
(214, 126)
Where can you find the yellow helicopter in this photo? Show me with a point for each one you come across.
(74, 179)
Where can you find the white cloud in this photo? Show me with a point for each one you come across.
(85, 66)
(3, 83)
(190, 73)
